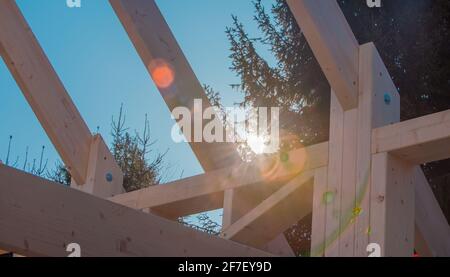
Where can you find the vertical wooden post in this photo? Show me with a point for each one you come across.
(340, 195)
(379, 105)
(318, 239)
(348, 193)
(334, 184)
(392, 206)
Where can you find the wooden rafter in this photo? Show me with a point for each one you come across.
(87, 157)
(40, 218)
(157, 46)
(333, 43)
(43, 90)
(275, 214)
(371, 169)
(263, 174)
(431, 224)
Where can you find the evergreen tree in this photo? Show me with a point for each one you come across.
(131, 154)
(412, 38)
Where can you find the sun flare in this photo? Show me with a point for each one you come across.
(256, 143)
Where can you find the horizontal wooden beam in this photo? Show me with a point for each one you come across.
(44, 90)
(41, 218)
(420, 140)
(170, 70)
(275, 214)
(431, 224)
(333, 43)
(205, 192)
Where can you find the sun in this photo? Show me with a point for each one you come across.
(256, 143)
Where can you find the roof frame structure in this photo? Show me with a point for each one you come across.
(363, 186)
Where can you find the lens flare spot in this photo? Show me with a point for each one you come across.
(357, 211)
(328, 197)
(284, 157)
(162, 73)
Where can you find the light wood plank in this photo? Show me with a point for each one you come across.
(157, 47)
(333, 43)
(420, 244)
(392, 207)
(104, 176)
(374, 83)
(334, 186)
(420, 140)
(275, 214)
(318, 239)
(40, 218)
(279, 246)
(44, 90)
(348, 189)
(432, 226)
(201, 192)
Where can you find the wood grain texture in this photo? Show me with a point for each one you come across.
(157, 46)
(44, 90)
(40, 218)
(333, 43)
(431, 224)
(205, 192)
(420, 140)
(275, 214)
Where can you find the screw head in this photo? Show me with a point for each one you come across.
(109, 177)
(387, 98)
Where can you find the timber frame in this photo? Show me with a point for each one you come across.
(363, 186)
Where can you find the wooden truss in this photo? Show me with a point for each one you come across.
(363, 186)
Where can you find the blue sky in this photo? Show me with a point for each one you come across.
(99, 67)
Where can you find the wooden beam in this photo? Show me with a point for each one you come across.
(420, 140)
(392, 206)
(420, 245)
(279, 246)
(431, 224)
(318, 238)
(43, 90)
(176, 198)
(378, 105)
(240, 201)
(333, 43)
(334, 185)
(347, 193)
(40, 218)
(158, 48)
(53, 106)
(275, 214)
(104, 176)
